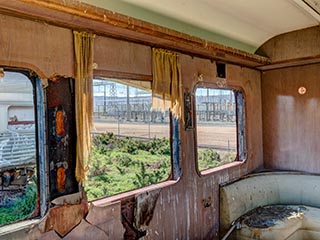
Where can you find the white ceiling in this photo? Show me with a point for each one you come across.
(249, 21)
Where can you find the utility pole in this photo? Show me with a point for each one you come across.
(128, 103)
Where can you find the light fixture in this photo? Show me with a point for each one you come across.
(302, 90)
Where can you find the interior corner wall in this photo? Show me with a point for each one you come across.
(293, 45)
(290, 120)
(291, 132)
(43, 48)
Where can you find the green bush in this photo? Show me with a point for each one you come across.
(145, 178)
(22, 207)
(104, 139)
(123, 159)
(122, 164)
(99, 163)
(97, 186)
(208, 158)
(129, 145)
(159, 146)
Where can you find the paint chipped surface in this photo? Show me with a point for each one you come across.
(63, 219)
(145, 204)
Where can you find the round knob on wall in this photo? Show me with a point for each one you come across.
(302, 90)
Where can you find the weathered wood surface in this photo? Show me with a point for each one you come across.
(43, 48)
(180, 209)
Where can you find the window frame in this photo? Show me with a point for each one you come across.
(41, 141)
(175, 147)
(241, 130)
(41, 206)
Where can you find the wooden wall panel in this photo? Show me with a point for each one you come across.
(290, 120)
(294, 45)
(180, 212)
(46, 49)
(121, 56)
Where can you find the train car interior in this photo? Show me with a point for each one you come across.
(176, 120)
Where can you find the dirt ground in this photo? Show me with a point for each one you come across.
(216, 134)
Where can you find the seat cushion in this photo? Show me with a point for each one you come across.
(279, 222)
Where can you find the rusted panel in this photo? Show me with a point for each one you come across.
(82, 16)
(122, 56)
(63, 219)
(290, 120)
(61, 137)
(43, 48)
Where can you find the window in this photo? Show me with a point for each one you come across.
(131, 142)
(18, 148)
(220, 127)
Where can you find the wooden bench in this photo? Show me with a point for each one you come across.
(265, 189)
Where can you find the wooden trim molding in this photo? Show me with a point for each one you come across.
(81, 16)
(291, 63)
(122, 75)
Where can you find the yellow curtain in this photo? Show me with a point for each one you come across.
(166, 84)
(83, 46)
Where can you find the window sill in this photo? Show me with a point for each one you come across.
(15, 227)
(111, 199)
(221, 168)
